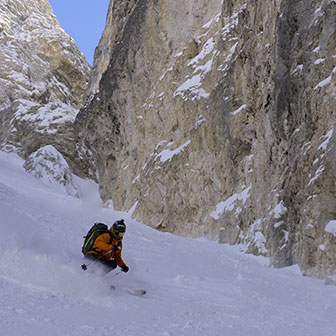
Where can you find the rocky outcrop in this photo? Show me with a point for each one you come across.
(217, 119)
(43, 77)
(49, 166)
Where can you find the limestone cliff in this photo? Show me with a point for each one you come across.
(216, 118)
(43, 77)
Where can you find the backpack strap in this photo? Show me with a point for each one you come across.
(116, 247)
(111, 236)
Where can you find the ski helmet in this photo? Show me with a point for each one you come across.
(118, 228)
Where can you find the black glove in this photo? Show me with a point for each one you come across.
(125, 269)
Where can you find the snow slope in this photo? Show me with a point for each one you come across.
(195, 287)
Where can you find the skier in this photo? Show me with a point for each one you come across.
(107, 247)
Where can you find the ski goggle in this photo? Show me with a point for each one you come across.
(118, 234)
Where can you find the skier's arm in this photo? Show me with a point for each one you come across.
(118, 258)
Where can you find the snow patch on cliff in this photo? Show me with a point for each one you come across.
(231, 203)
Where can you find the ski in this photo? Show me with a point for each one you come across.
(137, 292)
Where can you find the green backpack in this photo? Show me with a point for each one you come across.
(96, 230)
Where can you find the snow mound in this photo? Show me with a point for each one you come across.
(49, 165)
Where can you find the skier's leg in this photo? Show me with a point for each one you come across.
(111, 264)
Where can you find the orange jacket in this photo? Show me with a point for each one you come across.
(104, 244)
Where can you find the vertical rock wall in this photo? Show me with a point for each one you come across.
(43, 78)
(217, 119)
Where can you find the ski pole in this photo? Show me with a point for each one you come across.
(85, 266)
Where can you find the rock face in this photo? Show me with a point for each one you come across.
(43, 77)
(217, 119)
(49, 166)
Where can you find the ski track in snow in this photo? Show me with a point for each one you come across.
(194, 287)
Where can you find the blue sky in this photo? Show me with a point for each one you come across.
(84, 21)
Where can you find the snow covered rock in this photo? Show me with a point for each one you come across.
(43, 77)
(49, 166)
